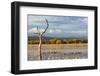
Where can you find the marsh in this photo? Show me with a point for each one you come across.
(58, 51)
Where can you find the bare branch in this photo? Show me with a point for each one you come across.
(46, 27)
(38, 32)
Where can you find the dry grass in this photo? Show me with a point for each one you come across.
(58, 45)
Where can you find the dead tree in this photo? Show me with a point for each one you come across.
(40, 34)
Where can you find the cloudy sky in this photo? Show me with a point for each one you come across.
(59, 26)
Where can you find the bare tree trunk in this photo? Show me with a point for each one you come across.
(40, 43)
(40, 34)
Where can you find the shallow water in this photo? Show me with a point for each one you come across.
(58, 53)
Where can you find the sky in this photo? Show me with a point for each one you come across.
(59, 26)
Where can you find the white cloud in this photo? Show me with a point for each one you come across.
(50, 31)
(34, 30)
(58, 30)
(54, 31)
(84, 20)
(33, 19)
(79, 32)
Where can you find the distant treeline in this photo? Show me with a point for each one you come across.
(56, 41)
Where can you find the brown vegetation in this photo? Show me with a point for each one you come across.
(58, 41)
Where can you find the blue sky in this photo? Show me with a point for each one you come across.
(59, 26)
